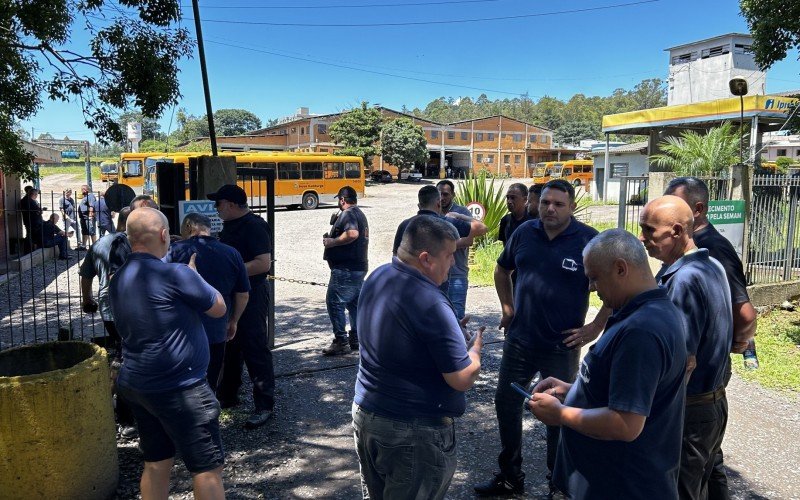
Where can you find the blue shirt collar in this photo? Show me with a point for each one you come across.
(699, 255)
(405, 268)
(635, 303)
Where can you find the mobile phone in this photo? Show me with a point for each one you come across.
(521, 390)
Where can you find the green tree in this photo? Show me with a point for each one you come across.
(189, 127)
(698, 154)
(235, 121)
(358, 132)
(775, 27)
(574, 132)
(131, 61)
(403, 143)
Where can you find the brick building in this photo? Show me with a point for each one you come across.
(499, 144)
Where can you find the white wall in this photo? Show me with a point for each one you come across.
(791, 143)
(637, 165)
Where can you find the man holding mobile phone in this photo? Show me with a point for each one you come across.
(621, 419)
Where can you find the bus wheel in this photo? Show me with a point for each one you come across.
(310, 201)
(576, 182)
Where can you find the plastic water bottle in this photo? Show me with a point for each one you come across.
(750, 357)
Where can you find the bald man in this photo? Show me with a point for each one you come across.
(157, 308)
(622, 417)
(697, 285)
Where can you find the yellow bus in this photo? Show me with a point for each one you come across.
(543, 171)
(131, 168)
(108, 171)
(576, 172)
(301, 179)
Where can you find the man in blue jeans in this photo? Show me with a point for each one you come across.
(458, 279)
(346, 252)
(543, 320)
(414, 369)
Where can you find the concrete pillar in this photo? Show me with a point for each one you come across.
(657, 183)
(606, 173)
(741, 188)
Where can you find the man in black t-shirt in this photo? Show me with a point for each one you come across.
(252, 237)
(695, 193)
(516, 201)
(346, 252)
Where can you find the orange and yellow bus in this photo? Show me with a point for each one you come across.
(131, 168)
(301, 179)
(576, 172)
(109, 171)
(543, 171)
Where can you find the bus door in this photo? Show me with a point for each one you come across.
(171, 189)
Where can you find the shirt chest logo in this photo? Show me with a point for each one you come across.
(584, 372)
(569, 264)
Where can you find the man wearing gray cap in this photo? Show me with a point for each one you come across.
(346, 252)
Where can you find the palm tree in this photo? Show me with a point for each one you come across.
(697, 154)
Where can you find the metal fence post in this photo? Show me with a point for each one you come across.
(623, 198)
(789, 252)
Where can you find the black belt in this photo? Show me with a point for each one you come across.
(427, 421)
(706, 397)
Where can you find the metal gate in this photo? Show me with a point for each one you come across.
(774, 232)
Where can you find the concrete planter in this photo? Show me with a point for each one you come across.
(57, 432)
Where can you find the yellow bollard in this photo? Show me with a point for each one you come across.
(57, 432)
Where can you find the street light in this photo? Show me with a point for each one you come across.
(738, 87)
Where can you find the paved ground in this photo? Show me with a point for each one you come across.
(307, 450)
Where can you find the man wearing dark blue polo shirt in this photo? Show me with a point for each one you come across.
(458, 279)
(430, 203)
(621, 419)
(415, 365)
(222, 267)
(543, 320)
(157, 308)
(516, 201)
(695, 193)
(697, 285)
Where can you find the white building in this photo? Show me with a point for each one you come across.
(624, 161)
(780, 145)
(700, 71)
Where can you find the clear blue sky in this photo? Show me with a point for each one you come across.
(272, 70)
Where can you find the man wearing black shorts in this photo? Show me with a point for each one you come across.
(157, 308)
(86, 214)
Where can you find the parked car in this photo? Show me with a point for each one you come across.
(410, 175)
(381, 176)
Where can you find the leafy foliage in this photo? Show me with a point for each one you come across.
(358, 131)
(493, 198)
(235, 121)
(697, 154)
(549, 112)
(775, 27)
(403, 143)
(574, 132)
(129, 63)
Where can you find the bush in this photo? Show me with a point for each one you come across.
(491, 196)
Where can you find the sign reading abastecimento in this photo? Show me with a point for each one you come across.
(728, 218)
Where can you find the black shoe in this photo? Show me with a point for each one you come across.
(499, 486)
(352, 338)
(228, 403)
(257, 419)
(337, 347)
(128, 431)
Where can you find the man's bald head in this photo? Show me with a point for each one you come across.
(148, 231)
(667, 224)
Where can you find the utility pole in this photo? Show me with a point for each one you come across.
(202, 55)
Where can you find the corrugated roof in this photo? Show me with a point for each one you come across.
(635, 147)
(727, 35)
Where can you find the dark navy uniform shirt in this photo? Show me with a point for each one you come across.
(250, 235)
(463, 227)
(721, 249)
(551, 290)
(409, 337)
(697, 284)
(354, 255)
(509, 224)
(637, 366)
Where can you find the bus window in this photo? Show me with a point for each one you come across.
(312, 170)
(133, 168)
(264, 165)
(288, 170)
(334, 170)
(352, 170)
(242, 165)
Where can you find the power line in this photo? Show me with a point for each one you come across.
(381, 73)
(428, 73)
(421, 23)
(318, 7)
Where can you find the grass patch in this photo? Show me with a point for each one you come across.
(778, 349)
(70, 170)
(483, 259)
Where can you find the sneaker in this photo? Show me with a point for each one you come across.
(80, 247)
(499, 486)
(128, 431)
(257, 419)
(337, 347)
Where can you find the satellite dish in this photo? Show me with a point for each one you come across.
(119, 196)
